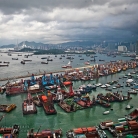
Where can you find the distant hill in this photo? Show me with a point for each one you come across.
(32, 44)
(36, 45)
(78, 43)
(8, 46)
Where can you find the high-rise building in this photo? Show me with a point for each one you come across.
(122, 48)
(137, 48)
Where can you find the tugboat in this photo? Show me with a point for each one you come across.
(28, 106)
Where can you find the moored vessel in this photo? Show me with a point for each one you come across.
(106, 124)
(28, 107)
(133, 115)
(14, 58)
(47, 133)
(47, 102)
(7, 108)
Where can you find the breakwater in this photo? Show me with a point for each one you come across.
(41, 73)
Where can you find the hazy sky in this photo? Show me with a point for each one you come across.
(55, 21)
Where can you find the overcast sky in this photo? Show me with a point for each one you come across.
(56, 21)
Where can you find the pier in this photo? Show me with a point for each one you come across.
(41, 73)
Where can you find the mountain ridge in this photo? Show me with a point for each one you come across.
(38, 44)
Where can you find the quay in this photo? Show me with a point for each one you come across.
(39, 74)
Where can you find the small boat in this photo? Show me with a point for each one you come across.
(68, 65)
(106, 124)
(52, 87)
(87, 63)
(108, 89)
(49, 59)
(133, 72)
(129, 74)
(132, 91)
(9, 54)
(26, 56)
(28, 107)
(4, 65)
(44, 62)
(6, 62)
(85, 78)
(27, 60)
(35, 88)
(106, 112)
(108, 85)
(129, 107)
(129, 80)
(22, 62)
(44, 58)
(103, 86)
(92, 60)
(14, 58)
(2, 89)
(101, 60)
(103, 103)
(47, 133)
(98, 84)
(7, 108)
(133, 115)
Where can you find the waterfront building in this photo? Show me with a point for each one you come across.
(122, 48)
(137, 50)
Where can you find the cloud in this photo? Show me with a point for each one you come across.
(57, 21)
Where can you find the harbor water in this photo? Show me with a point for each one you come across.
(65, 121)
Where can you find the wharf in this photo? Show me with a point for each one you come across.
(41, 73)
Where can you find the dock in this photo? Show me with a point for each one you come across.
(41, 73)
